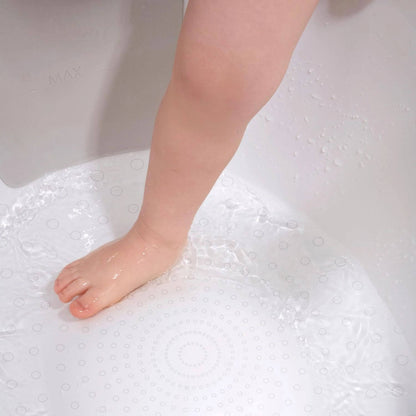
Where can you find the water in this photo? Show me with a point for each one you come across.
(264, 313)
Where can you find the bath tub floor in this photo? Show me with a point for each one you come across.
(263, 315)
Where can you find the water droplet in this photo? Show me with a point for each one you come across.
(324, 149)
(338, 162)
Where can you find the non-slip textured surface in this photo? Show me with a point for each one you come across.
(263, 315)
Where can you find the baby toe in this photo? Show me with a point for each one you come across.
(88, 304)
(76, 287)
(68, 274)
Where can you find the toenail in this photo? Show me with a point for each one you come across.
(82, 307)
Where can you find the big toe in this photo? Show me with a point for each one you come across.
(88, 304)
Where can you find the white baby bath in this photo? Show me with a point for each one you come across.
(295, 292)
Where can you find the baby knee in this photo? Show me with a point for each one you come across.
(226, 82)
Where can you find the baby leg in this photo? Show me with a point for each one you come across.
(230, 58)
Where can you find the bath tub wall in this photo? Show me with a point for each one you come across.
(80, 80)
(337, 140)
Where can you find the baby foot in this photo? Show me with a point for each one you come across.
(109, 273)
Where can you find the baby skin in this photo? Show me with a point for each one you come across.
(108, 274)
(230, 58)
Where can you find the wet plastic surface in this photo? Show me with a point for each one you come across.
(263, 314)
